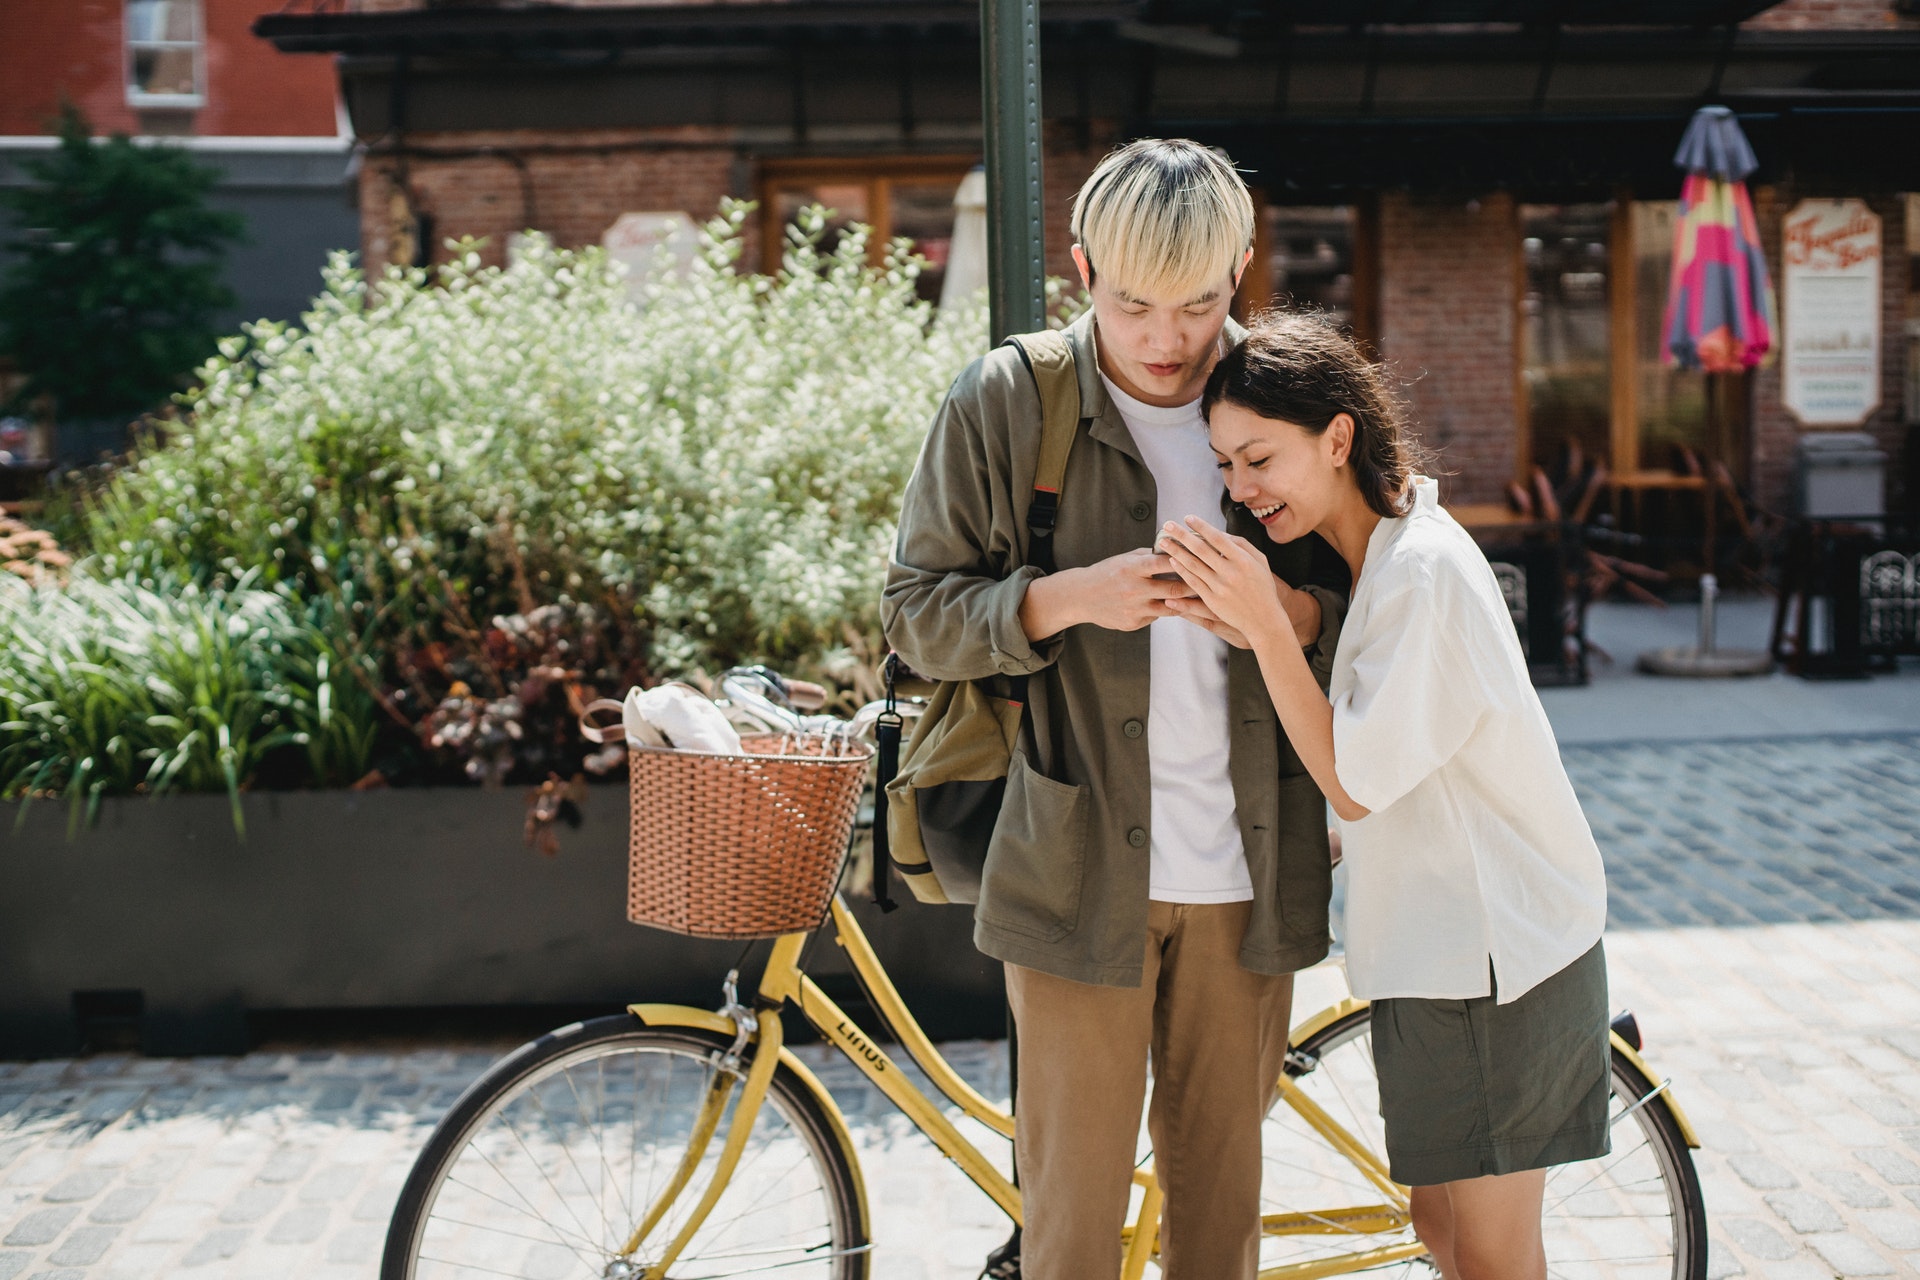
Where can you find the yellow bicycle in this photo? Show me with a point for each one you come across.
(680, 1142)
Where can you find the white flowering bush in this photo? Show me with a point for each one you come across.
(718, 468)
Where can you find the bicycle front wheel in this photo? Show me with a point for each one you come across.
(549, 1163)
(1635, 1213)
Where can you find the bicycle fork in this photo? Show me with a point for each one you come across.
(765, 1036)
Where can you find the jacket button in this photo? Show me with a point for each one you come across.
(1137, 838)
(1139, 511)
(1133, 728)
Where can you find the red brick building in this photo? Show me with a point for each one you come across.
(1482, 188)
(192, 72)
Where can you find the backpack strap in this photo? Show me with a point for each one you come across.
(1050, 360)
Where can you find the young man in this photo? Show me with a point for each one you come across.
(1159, 869)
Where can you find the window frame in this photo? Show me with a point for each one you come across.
(138, 98)
(876, 173)
(1256, 284)
(1625, 442)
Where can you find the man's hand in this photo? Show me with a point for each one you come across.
(1121, 593)
(1303, 611)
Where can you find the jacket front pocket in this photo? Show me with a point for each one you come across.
(1037, 856)
(1306, 864)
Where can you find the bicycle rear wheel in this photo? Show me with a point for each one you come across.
(549, 1161)
(1636, 1213)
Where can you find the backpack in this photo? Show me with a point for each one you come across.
(936, 802)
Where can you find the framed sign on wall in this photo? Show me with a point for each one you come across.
(1830, 282)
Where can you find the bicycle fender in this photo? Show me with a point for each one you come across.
(1320, 1021)
(682, 1015)
(1632, 1055)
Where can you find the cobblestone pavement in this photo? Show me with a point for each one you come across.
(1766, 929)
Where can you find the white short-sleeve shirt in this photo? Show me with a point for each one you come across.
(1475, 847)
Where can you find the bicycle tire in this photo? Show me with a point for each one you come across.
(1654, 1148)
(476, 1128)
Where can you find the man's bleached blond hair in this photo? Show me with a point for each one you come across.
(1164, 219)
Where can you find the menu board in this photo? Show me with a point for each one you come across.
(1830, 285)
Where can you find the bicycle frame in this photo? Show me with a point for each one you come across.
(784, 982)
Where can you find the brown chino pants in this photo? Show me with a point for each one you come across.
(1218, 1038)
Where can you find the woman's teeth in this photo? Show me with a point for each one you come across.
(1261, 513)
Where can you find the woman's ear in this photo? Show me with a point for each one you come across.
(1339, 437)
(1086, 268)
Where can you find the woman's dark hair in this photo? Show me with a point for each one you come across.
(1296, 367)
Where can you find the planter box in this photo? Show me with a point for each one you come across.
(363, 900)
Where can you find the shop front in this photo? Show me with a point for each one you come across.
(1485, 192)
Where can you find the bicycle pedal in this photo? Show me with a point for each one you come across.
(1004, 1263)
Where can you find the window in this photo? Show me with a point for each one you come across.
(1670, 404)
(900, 196)
(1319, 257)
(1913, 317)
(1566, 330)
(1307, 252)
(164, 53)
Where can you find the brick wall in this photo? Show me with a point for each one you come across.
(1775, 431)
(571, 185)
(75, 50)
(1067, 164)
(1447, 328)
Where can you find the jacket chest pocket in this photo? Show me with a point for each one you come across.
(1104, 510)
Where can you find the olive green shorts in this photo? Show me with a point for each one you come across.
(1473, 1087)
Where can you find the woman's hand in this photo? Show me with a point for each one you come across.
(1232, 578)
(1200, 616)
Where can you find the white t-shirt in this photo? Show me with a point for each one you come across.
(1476, 847)
(1196, 851)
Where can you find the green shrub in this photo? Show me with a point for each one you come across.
(718, 468)
(113, 687)
(116, 273)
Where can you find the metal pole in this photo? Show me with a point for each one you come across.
(1016, 230)
(1010, 104)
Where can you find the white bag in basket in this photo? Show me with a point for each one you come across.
(674, 715)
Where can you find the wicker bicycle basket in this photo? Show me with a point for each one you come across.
(741, 846)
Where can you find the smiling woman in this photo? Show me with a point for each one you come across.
(1475, 895)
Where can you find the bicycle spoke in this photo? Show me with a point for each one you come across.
(473, 1266)
(586, 1232)
(566, 1148)
(558, 1237)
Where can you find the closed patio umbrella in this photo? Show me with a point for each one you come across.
(1720, 314)
(1720, 320)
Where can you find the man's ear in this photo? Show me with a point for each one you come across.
(1340, 434)
(1085, 267)
(1245, 258)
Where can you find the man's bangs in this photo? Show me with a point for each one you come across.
(1188, 259)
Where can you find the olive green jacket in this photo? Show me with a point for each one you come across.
(1066, 877)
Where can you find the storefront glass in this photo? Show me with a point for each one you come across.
(1309, 258)
(1671, 402)
(1565, 339)
(1913, 317)
(908, 202)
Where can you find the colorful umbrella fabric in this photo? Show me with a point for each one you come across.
(1720, 314)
